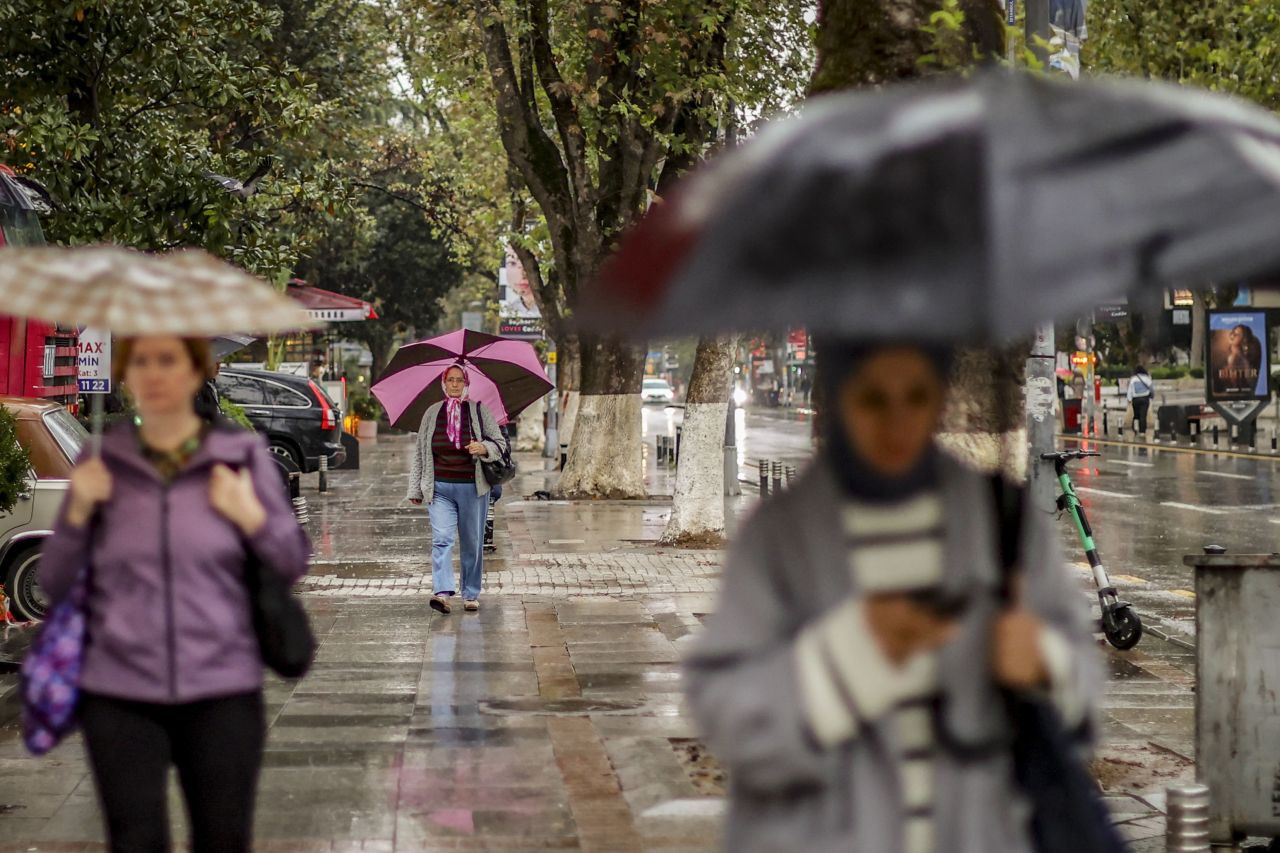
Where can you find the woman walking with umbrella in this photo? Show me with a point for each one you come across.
(457, 390)
(455, 435)
(169, 527)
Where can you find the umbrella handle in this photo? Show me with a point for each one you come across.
(96, 419)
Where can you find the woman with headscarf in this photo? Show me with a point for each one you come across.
(455, 436)
(851, 679)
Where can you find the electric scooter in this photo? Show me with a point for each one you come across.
(1120, 624)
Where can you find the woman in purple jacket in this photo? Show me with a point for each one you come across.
(172, 675)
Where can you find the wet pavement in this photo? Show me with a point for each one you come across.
(551, 719)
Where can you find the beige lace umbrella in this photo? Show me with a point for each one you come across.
(186, 292)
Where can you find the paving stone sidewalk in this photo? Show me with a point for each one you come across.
(549, 720)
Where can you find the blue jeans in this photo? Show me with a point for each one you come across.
(457, 512)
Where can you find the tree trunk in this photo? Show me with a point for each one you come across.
(380, 355)
(697, 512)
(530, 436)
(983, 423)
(568, 381)
(1199, 329)
(606, 459)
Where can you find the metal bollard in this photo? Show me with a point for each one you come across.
(764, 478)
(1187, 825)
(777, 477)
(791, 475)
(1215, 435)
(301, 510)
(295, 485)
(1106, 427)
(1273, 439)
(324, 473)
(679, 435)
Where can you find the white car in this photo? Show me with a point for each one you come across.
(657, 391)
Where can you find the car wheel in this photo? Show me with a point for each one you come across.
(287, 467)
(284, 451)
(21, 582)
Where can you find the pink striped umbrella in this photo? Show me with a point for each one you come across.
(504, 374)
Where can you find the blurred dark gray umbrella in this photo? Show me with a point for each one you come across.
(954, 210)
(224, 345)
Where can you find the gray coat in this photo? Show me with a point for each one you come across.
(788, 568)
(422, 471)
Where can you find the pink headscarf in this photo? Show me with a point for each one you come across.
(453, 406)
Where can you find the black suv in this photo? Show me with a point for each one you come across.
(295, 414)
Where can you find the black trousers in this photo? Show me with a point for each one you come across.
(216, 746)
(1140, 407)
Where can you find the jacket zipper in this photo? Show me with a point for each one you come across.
(170, 627)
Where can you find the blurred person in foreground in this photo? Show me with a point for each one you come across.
(166, 519)
(851, 678)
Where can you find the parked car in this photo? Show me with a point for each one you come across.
(297, 417)
(52, 438)
(657, 391)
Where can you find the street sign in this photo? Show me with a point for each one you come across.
(95, 362)
(551, 357)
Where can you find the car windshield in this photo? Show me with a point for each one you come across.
(660, 384)
(68, 432)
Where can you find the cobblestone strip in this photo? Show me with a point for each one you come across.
(555, 574)
(603, 818)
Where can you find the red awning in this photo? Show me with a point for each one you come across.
(330, 307)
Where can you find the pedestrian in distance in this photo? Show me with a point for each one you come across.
(495, 495)
(1141, 390)
(166, 519)
(852, 678)
(455, 436)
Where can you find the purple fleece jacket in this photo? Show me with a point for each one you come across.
(168, 617)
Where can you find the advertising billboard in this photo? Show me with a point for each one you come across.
(518, 313)
(1237, 359)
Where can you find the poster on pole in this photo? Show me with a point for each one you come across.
(1237, 357)
(518, 312)
(95, 362)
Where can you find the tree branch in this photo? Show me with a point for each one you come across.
(529, 148)
(563, 108)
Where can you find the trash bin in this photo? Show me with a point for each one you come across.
(1237, 702)
(1171, 421)
(1071, 416)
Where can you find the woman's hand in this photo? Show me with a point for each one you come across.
(416, 501)
(903, 627)
(476, 448)
(90, 486)
(1016, 656)
(234, 497)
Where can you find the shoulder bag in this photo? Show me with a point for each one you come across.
(501, 470)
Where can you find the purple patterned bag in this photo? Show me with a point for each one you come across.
(51, 673)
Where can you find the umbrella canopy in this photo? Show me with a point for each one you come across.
(955, 210)
(187, 292)
(502, 373)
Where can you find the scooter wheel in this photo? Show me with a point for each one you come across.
(1127, 631)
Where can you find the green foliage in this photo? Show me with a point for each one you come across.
(559, 119)
(122, 106)
(1197, 373)
(15, 464)
(1227, 47)
(235, 413)
(399, 250)
(365, 406)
